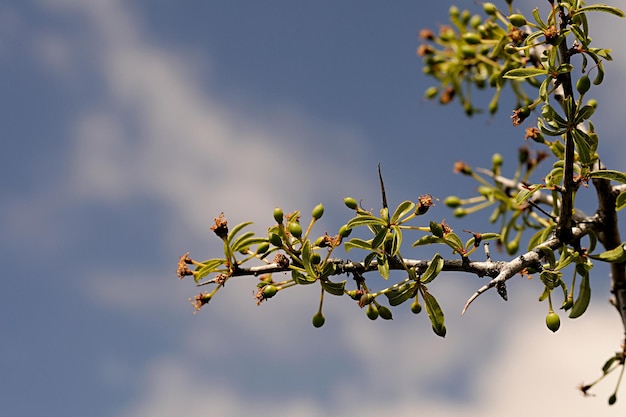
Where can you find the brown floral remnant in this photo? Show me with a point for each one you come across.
(220, 228)
(281, 260)
(446, 229)
(182, 270)
(427, 35)
(199, 300)
(424, 202)
(461, 167)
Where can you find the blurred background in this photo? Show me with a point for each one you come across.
(129, 125)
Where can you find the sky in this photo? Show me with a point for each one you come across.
(129, 125)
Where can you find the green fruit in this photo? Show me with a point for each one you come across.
(385, 313)
(452, 201)
(317, 212)
(315, 258)
(468, 51)
(460, 212)
(475, 21)
(553, 321)
(453, 11)
(583, 84)
(372, 312)
(471, 38)
(318, 319)
(269, 291)
(416, 307)
(517, 20)
(436, 229)
(350, 203)
(344, 231)
(295, 229)
(366, 299)
(612, 399)
(262, 248)
(276, 240)
(278, 215)
(430, 93)
(497, 159)
(490, 9)
(510, 49)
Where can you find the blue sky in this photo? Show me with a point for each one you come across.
(129, 125)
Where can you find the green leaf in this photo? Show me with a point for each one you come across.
(454, 242)
(428, 240)
(522, 73)
(306, 259)
(435, 314)
(583, 114)
(247, 240)
(301, 279)
(208, 266)
(608, 363)
(547, 253)
(379, 239)
(608, 174)
(584, 295)
(402, 210)
(585, 152)
(396, 241)
(564, 68)
(365, 220)
(358, 243)
(434, 268)
(525, 193)
(401, 294)
(615, 255)
(383, 266)
(620, 201)
(483, 237)
(601, 8)
(550, 279)
(236, 230)
(334, 288)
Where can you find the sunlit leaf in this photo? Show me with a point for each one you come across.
(428, 240)
(402, 210)
(207, 267)
(365, 220)
(434, 267)
(401, 294)
(608, 174)
(522, 73)
(300, 278)
(358, 243)
(601, 8)
(620, 201)
(235, 230)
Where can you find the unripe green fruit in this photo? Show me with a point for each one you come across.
(436, 229)
(269, 291)
(510, 49)
(276, 240)
(471, 38)
(512, 247)
(350, 203)
(468, 52)
(295, 229)
(318, 319)
(416, 307)
(317, 212)
(517, 20)
(344, 231)
(497, 159)
(385, 313)
(452, 201)
(430, 93)
(583, 84)
(278, 215)
(353, 294)
(553, 321)
(262, 248)
(372, 312)
(475, 21)
(315, 258)
(366, 299)
(593, 103)
(490, 9)
(453, 11)
(460, 212)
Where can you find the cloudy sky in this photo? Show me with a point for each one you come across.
(128, 125)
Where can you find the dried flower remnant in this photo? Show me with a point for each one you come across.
(220, 228)
(182, 270)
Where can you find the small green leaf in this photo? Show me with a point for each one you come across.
(525, 193)
(358, 243)
(401, 294)
(402, 210)
(208, 266)
(247, 240)
(601, 8)
(522, 73)
(383, 266)
(236, 230)
(608, 363)
(333, 288)
(435, 314)
(366, 220)
(551, 279)
(546, 252)
(454, 242)
(306, 260)
(434, 268)
(585, 152)
(608, 174)
(379, 239)
(300, 278)
(564, 68)
(428, 240)
(584, 295)
(396, 241)
(615, 255)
